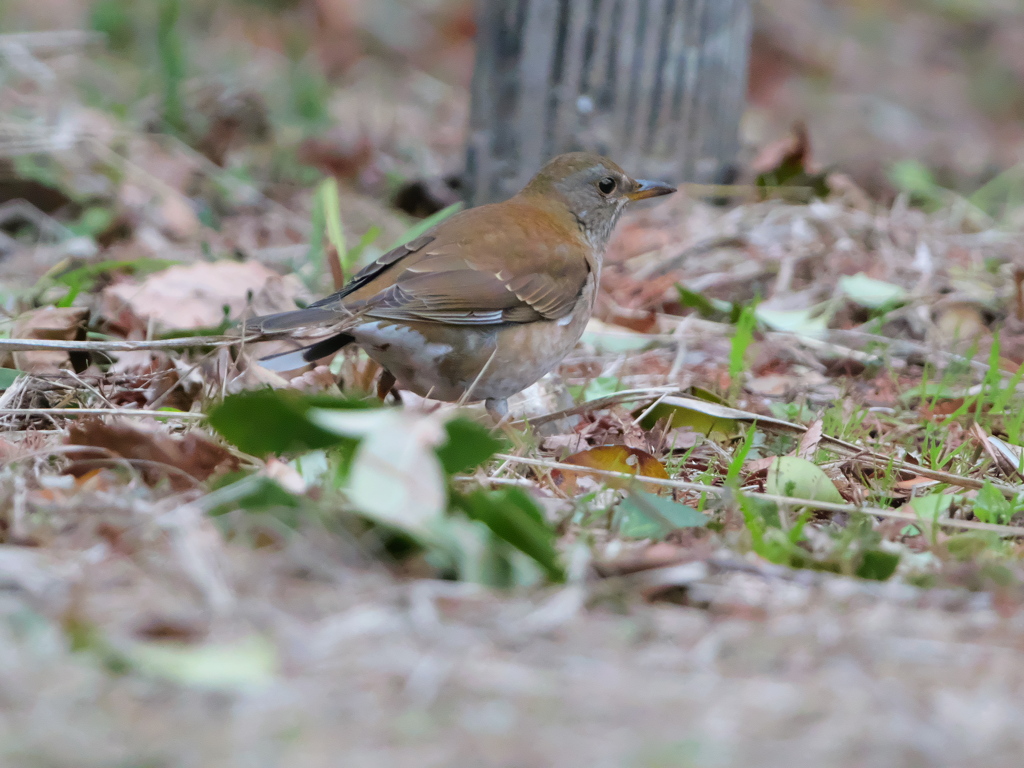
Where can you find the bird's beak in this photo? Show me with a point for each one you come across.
(645, 189)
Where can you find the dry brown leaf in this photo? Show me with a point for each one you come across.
(616, 425)
(50, 323)
(192, 296)
(810, 440)
(193, 455)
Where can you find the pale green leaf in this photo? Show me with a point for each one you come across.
(643, 515)
(242, 665)
(800, 479)
(395, 477)
(869, 292)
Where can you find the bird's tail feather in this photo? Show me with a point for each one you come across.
(290, 321)
(297, 358)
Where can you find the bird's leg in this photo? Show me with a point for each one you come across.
(386, 385)
(497, 408)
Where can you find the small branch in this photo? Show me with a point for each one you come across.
(120, 346)
(100, 412)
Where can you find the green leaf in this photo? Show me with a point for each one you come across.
(878, 564)
(355, 253)
(990, 506)
(431, 221)
(741, 340)
(712, 309)
(240, 665)
(809, 322)
(692, 415)
(330, 209)
(606, 339)
(740, 457)
(602, 386)
(468, 446)
(8, 376)
(253, 493)
(643, 515)
(871, 293)
(914, 178)
(267, 421)
(933, 506)
(799, 478)
(513, 516)
(93, 221)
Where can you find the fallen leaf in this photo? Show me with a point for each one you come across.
(647, 516)
(706, 417)
(612, 458)
(959, 321)
(800, 479)
(871, 293)
(193, 454)
(810, 440)
(54, 324)
(787, 163)
(193, 295)
(242, 665)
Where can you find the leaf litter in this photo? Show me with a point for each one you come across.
(726, 480)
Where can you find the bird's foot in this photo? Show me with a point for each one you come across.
(386, 386)
(498, 410)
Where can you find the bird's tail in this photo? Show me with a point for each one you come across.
(297, 358)
(290, 321)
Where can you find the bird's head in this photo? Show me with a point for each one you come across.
(593, 189)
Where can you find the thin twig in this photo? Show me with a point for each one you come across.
(99, 412)
(124, 345)
(625, 396)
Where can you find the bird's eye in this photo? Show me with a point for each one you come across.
(606, 185)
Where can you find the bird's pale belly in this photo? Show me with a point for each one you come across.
(450, 363)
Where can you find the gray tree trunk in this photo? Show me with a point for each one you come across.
(657, 85)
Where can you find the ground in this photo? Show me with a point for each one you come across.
(818, 379)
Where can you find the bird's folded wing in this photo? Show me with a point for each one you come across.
(331, 310)
(456, 275)
(441, 291)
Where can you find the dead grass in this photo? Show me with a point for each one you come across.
(162, 622)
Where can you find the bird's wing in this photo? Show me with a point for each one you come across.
(484, 266)
(493, 264)
(332, 310)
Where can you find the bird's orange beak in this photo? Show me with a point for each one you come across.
(645, 189)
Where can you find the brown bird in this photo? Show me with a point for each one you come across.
(486, 302)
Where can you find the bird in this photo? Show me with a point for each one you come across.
(486, 302)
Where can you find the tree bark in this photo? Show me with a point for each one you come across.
(657, 85)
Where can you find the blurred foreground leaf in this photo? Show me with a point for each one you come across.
(395, 477)
(877, 564)
(251, 492)
(265, 421)
(514, 517)
(468, 446)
